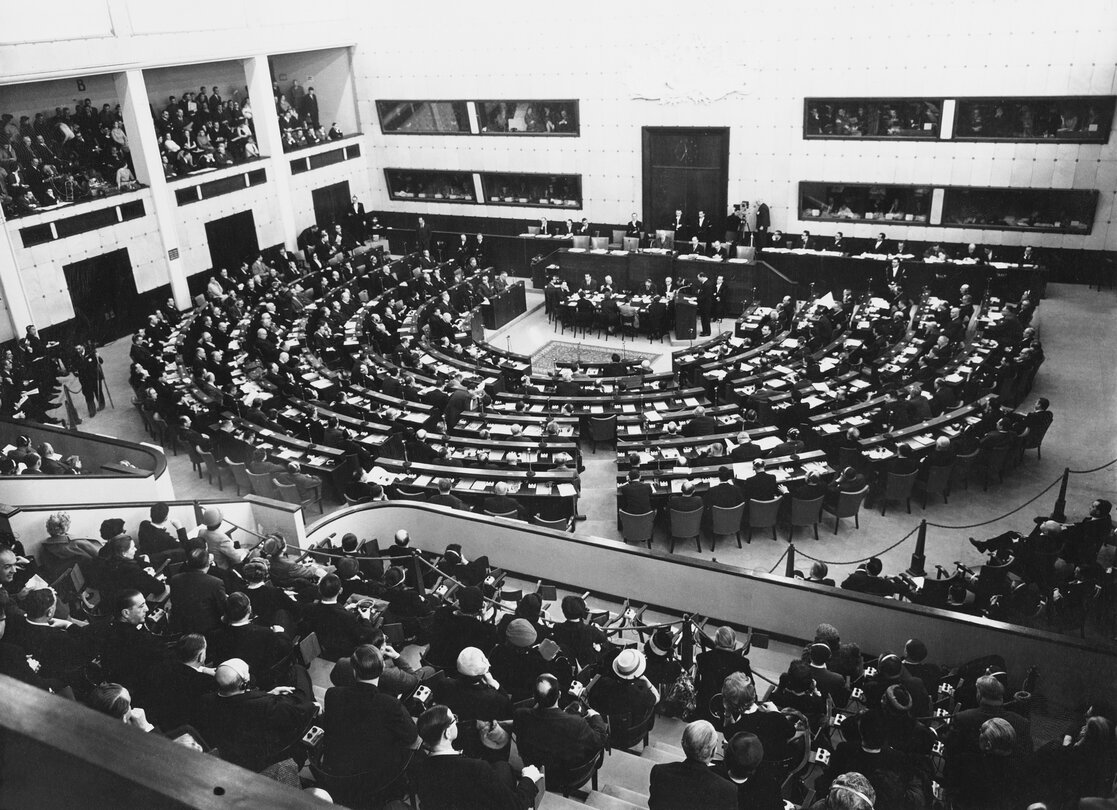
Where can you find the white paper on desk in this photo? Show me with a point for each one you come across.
(859, 384)
(813, 402)
(827, 363)
(566, 490)
(743, 471)
(880, 303)
(653, 416)
(827, 300)
(766, 443)
(321, 384)
(828, 428)
(690, 402)
(777, 384)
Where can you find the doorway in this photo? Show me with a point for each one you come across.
(330, 204)
(232, 239)
(103, 293)
(687, 168)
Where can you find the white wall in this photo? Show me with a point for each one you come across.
(28, 99)
(42, 265)
(748, 68)
(302, 185)
(191, 222)
(329, 73)
(176, 81)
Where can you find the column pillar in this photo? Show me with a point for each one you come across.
(257, 74)
(11, 286)
(131, 90)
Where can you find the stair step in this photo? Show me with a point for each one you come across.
(603, 801)
(655, 754)
(632, 796)
(673, 750)
(627, 771)
(556, 801)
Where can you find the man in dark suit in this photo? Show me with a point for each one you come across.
(445, 778)
(678, 225)
(867, 579)
(998, 437)
(460, 401)
(355, 218)
(309, 107)
(368, 732)
(692, 783)
(262, 648)
(850, 480)
(745, 449)
(829, 683)
(763, 218)
(556, 739)
(197, 599)
(700, 424)
(761, 486)
(254, 729)
(805, 241)
(635, 497)
(500, 502)
(634, 226)
(686, 500)
(725, 493)
(793, 444)
(703, 228)
(705, 301)
(423, 236)
(878, 245)
(757, 782)
(339, 630)
(444, 497)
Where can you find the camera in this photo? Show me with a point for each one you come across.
(313, 736)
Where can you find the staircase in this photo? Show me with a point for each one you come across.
(624, 776)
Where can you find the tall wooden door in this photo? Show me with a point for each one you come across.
(330, 203)
(103, 292)
(687, 168)
(232, 240)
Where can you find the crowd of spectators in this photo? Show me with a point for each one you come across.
(204, 131)
(299, 121)
(195, 636)
(48, 160)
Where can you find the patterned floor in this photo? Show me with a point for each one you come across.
(559, 351)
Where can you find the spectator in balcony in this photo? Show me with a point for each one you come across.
(59, 550)
(309, 108)
(692, 783)
(126, 181)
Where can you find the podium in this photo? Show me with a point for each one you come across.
(686, 315)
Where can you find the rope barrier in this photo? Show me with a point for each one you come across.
(802, 553)
(783, 557)
(1001, 517)
(1094, 470)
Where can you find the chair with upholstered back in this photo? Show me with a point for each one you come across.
(582, 242)
(559, 524)
(631, 243)
(848, 506)
(1034, 440)
(897, 488)
(213, 469)
(804, 513)
(686, 524)
(290, 494)
(937, 482)
(763, 515)
(963, 466)
(637, 528)
(263, 485)
(603, 429)
(240, 476)
(600, 242)
(618, 238)
(726, 520)
(991, 461)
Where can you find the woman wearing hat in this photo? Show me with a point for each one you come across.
(626, 696)
(659, 652)
(715, 665)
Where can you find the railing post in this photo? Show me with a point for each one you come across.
(789, 569)
(918, 559)
(1060, 511)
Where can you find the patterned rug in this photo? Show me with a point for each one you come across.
(558, 351)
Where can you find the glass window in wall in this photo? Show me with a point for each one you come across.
(538, 190)
(1033, 209)
(528, 117)
(419, 184)
(872, 118)
(864, 202)
(1034, 119)
(423, 117)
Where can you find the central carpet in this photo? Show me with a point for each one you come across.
(558, 351)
